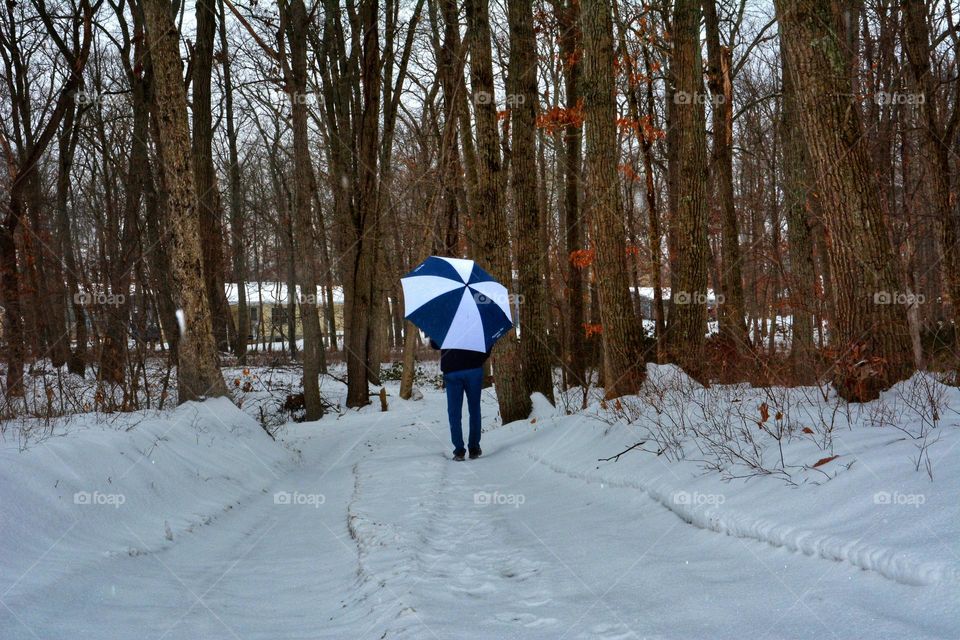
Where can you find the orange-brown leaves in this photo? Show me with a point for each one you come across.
(560, 118)
(591, 330)
(582, 258)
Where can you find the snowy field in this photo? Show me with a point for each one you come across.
(731, 513)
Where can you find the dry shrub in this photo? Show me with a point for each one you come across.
(859, 377)
(728, 364)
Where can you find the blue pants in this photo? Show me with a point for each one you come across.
(469, 381)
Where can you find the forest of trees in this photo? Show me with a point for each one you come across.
(633, 171)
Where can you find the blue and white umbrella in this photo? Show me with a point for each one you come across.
(456, 303)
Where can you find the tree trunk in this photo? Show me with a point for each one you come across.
(114, 355)
(361, 258)
(731, 311)
(236, 202)
(492, 237)
(409, 360)
(10, 281)
(623, 365)
(198, 373)
(575, 359)
(67, 142)
(531, 263)
(653, 214)
(23, 168)
(205, 178)
(159, 249)
(870, 335)
(935, 157)
(687, 319)
(797, 203)
(296, 22)
(327, 276)
(58, 336)
(451, 80)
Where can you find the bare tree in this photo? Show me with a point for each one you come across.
(198, 373)
(623, 366)
(208, 193)
(687, 321)
(23, 154)
(492, 239)
(936, 132)
(720, 79)
(293, 35)
(238, 247)
(531, 254)
(871, 337)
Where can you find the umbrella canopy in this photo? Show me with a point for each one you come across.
(456, 303)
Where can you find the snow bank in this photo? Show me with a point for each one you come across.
(870, 506)
(541, 408)
(102, 490)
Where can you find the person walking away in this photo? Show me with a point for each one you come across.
(463, 375)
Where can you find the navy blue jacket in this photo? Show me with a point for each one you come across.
(459, 359)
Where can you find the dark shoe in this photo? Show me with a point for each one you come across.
(476, 453)
(458, 455)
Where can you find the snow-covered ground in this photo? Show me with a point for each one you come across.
(196, 524)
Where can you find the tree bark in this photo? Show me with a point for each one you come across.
(571, 48)
(362, 258)
(198, 373)
(653, 216)
(295, 24)
(623, 366)
(451, 80)
(237, 212)
(491, 236)
(205, 178)
(732, 311)
(798, 203)
(114, 355)
(687, 319)
(870, 336)
(67, 143)
(934, 156)
(531, 256)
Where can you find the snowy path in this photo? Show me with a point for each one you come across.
(405, 543)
